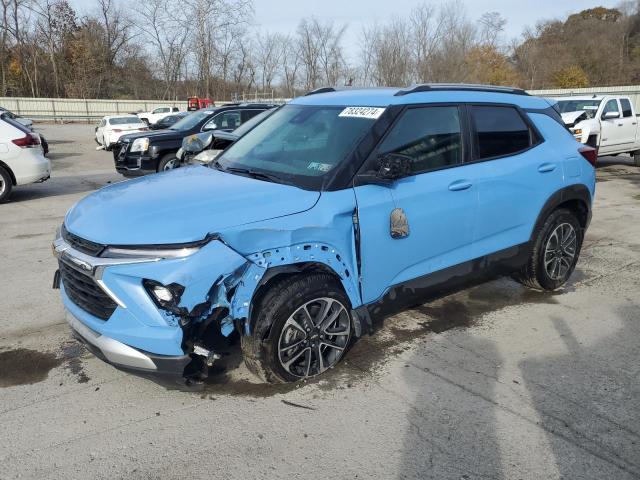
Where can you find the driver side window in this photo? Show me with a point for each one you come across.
(611, 106)
(430, 136)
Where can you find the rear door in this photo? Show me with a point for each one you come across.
(435, 205)
(515, 171)
(629, 123)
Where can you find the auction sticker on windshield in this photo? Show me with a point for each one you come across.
(362, 112)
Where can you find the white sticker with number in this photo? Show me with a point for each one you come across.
(362, 112)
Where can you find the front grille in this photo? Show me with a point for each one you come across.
(85, 246)
(85, 292)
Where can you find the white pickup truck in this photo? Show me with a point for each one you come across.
(606, 122)
(157, 114)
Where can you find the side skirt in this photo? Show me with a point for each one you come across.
(441, 283)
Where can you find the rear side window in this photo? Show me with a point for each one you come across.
(500, 131)
(626, 107)
(431, 136)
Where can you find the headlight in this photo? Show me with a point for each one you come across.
(206, 156)
(166, 297)
(140, 145)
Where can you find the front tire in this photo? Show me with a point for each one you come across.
(168, 162)
(302, 328)
(5, 185)
(554, 253)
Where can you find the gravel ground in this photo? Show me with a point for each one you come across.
(493, 382)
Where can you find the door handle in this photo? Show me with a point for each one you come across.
(547, 167)
(459, 185)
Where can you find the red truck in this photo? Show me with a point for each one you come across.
(196, 103)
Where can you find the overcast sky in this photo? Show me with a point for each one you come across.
(284, 15)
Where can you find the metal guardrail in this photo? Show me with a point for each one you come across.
(631, 91)
(63, 109)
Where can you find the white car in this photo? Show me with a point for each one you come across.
(157, 114)
(112, 127)
(606, 122)
(21, 157)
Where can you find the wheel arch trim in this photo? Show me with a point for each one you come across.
(576, 192)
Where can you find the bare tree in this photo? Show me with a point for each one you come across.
(320, 49)
(291, 63)
(268, 57)
(167, 28)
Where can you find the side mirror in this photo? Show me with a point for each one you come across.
(394, 166)
(196, 143)
(610, 115)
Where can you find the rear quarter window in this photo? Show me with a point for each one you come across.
(500, 131)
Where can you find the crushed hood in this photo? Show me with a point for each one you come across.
(181, 206)
(572, 117)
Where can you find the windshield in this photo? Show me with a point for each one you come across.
(297, 143)
(124, 120)
(589, 106)
(191, 120)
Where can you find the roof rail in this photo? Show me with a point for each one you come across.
(321, 90)
(430, 87)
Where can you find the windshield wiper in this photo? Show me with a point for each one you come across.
(253, 174)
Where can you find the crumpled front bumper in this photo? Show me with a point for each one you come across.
(125, 357)
(139, 334)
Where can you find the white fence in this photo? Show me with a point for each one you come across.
(63, 109)
(632, 92)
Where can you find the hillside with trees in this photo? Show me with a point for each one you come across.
(216, 48)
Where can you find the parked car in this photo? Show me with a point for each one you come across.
(27, 122)
(339, 208)
(157, 114)
(112, 127)
(151, 152)
(203, 148)
(21, 157)
(168, 121)
(608, 123)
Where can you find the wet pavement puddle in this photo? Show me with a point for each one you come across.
(23, 366)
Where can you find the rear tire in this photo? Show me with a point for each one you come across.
(6, 185)
(554, 253)
(168, 162)
(295, 334)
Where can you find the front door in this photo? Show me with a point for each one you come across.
(611, 129)
(430, 212)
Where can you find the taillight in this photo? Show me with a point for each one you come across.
(30, 140)
(590, 154)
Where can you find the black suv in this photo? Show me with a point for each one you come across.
(149, 152)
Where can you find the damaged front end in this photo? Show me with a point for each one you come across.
(165, 310)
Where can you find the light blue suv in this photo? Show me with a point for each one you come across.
(340, 208)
